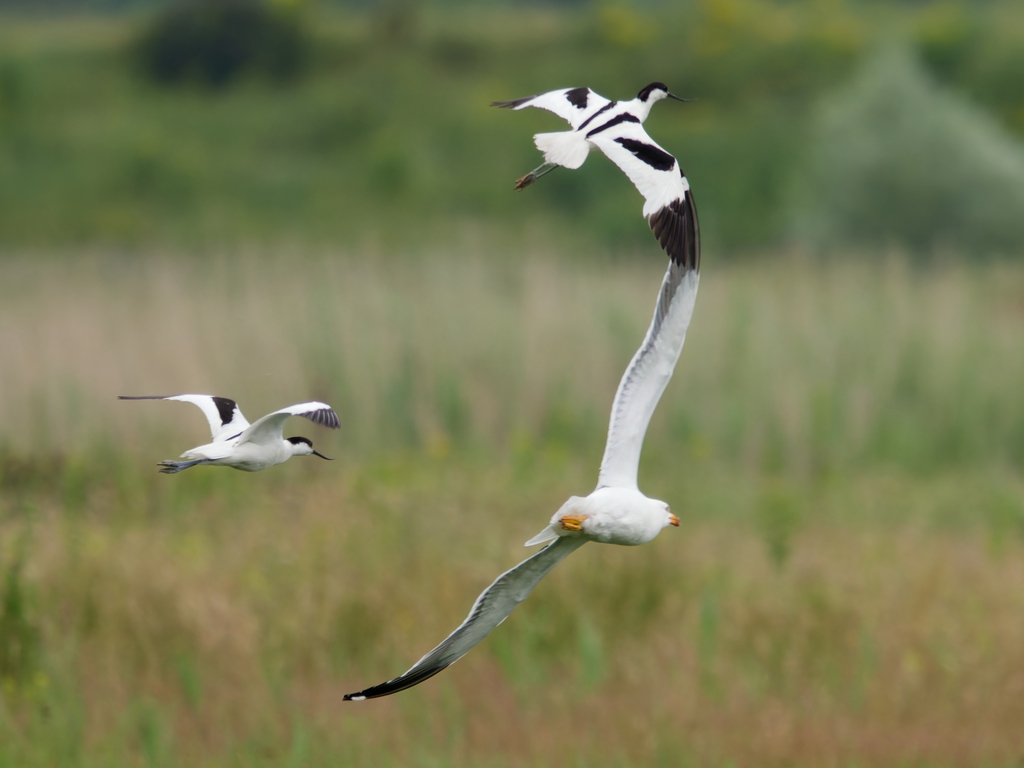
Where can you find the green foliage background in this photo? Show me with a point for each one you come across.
(842, 439)
(388, 135)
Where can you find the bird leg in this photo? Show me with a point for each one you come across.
(572, 522)
(535, 174)
(173, 467)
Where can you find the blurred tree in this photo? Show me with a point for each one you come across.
(215, 41)
(899, 161)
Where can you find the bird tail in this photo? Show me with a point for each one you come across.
(544, 536)
(565, 148)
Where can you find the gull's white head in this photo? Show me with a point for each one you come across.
(666, 511)
(303, 446)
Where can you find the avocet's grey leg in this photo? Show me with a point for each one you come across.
(535, 174)
(173, 467)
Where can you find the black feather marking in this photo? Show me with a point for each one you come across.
(658, 159)
(398, 684)
(605, 108)
(297, 440)
(692, 233)
(325, 417)
(676, 228)
(625, 117)
(226, 409)
(578, 97)
(514, 103)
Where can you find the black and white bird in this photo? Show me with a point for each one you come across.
(615, 513)
(616, 128)
(241, 445)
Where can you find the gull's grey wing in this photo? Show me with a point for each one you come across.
(225, 417)
(489, 610)
(647, 376)
(574, 105)
(271, 426)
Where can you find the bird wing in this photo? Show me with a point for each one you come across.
(668, 205)
(226, 419)
(271, 426)
(647, 376)
(489, 610)
(575, 105)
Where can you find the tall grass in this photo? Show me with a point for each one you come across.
(841, 441)
(792, 368)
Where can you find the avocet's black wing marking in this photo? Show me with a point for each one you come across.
(668, 206)
(489, 610)
(271, 426)
(574, 105)
(647, 376)
(226, 419)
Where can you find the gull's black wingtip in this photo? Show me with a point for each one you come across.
(410, 679)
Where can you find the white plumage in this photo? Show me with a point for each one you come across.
(240, 445)
(615, 513)
(616, 128)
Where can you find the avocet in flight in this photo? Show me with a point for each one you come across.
(241, 445)
(616, 128)
(615, 513)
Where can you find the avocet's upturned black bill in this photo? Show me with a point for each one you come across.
(615, 127)
(615, 513)
(241, 445)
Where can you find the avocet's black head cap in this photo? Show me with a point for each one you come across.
(645, 94)
(649, 89)
(305, 440)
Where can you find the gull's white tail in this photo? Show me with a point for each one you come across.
(565, 148)
(546, 535)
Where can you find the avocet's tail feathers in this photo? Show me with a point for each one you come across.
(565, 148)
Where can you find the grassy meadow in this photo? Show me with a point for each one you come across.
(842, 439)
(842, 442)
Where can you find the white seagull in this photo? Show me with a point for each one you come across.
(616, 128)
(615, 513)
(241, 445)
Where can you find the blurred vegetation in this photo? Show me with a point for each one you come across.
(216, 41)
(386, 135)
(842, 442)
(897, 162)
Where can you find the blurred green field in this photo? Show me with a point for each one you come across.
(843, 437)
(842, 441)
(387, 137)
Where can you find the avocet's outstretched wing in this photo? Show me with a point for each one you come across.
(668, 205)
(226, 420)
(647, 376)
(271, 426)
(575, 105)
(489, 610)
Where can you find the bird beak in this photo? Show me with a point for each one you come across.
(316, 453)
(673, 96)
(674, 520)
